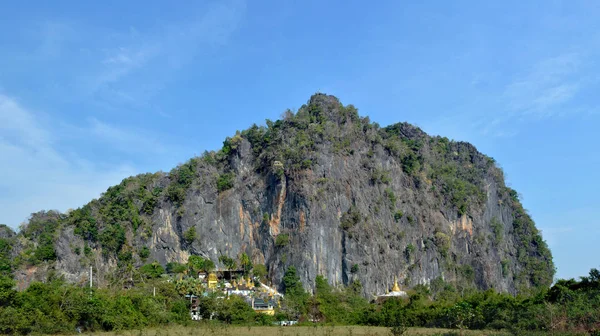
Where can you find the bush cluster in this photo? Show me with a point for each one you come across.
(57, 307)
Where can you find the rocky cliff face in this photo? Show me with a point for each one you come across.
(324, 190)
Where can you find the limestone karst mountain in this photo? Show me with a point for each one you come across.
(324, 190)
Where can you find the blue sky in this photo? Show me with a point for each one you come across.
(92, 92)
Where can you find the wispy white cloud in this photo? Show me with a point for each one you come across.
(127, 58)
(545, 87)
(548, 88)
(125, 68)
(157, 57)
(121, 62)
(36, 174)
(18, 127)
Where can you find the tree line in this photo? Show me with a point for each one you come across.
(59, 307)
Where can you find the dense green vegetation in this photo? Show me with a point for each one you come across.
(58, 307)
(41, 228)
(190, 235)
(5, 259)
(152, 271)
(351, 218)
(282, 240)
(181, 179)
(294, 140)
(533, 252)
(225, 181)
(195, 264)
(122, 207)
(228, 262)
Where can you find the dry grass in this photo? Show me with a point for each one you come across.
(225, 330)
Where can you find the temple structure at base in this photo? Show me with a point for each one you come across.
(395, 292)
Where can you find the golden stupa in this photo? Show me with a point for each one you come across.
(212, 281)
(396, 288)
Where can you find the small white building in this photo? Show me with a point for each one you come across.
(285, 323)
(239, 291)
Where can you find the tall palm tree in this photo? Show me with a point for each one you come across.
(229, 263)
(245, 263)
(187, 286)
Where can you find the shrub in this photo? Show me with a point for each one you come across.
(112, 238)
(197, 263)
(442, 241)
(504, 264)
(467, 272)
(380, 176)
(176, 194)
(175, 267)
(278, 169)
(225, 182)
(87, 251)
(229, 262)
(398, 330)
(85, 224)
(459, 181)
(190, 235)
(282, 240)
(409, 251)
(144, 253)
(45, 250)
(152, 271)
(43, 226)
(150, 202)
(350, 218)
(497, 229)
(235, 310)
(232, 144)
(398, 215)
(124, 257)
(291, 283)
(181, 179)
(411, 164)
(389, 193)
(260, 271)
(514, 196)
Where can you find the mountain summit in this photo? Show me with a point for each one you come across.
(324, 190)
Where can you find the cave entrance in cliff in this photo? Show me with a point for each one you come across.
(230, 274)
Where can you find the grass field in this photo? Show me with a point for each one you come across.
(210, 330)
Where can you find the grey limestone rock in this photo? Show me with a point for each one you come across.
(354, 202)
